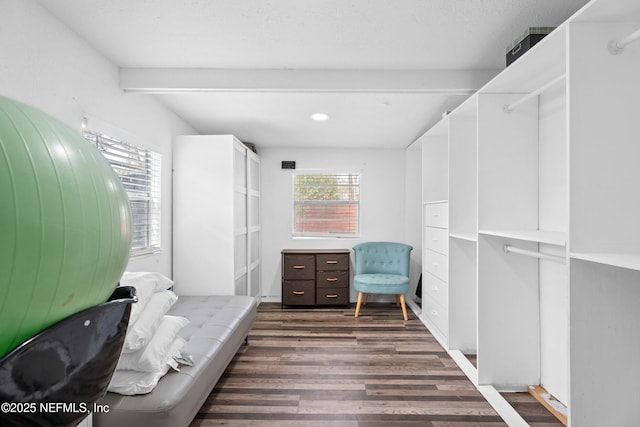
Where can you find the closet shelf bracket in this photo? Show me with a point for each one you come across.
(616, 47)
(510, 107)
(512, 249)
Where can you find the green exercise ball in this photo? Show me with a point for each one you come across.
(65, 224)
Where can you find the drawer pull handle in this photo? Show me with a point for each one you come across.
(332, 296)
(298, 267)
(434, 239)
(332, 279)
(298, 292)
(332, 262)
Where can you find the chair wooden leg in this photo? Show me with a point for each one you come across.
(364, 301)
(358, 304)
(397, 300)
(404, 307)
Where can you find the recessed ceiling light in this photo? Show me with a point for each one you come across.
(320, 117)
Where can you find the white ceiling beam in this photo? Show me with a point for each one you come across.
(196, 80)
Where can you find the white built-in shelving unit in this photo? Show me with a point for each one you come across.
(540, 170)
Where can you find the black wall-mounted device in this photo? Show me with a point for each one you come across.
(288, 164)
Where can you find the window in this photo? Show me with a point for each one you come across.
(326, 204)
(139, 171)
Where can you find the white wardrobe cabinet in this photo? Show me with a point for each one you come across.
(216, 216)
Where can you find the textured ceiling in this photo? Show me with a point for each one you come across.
(258, 37)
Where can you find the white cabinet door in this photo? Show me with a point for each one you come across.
(216, 216)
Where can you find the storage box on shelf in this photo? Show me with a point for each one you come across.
(525, 41)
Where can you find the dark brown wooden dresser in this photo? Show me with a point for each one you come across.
(315, 277)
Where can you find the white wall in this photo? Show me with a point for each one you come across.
(45, 65)
(382, 202)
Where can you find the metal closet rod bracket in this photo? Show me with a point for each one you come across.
(616, 47)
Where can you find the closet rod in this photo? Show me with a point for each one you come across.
(509, 108)
(616, 47)
(539, 255)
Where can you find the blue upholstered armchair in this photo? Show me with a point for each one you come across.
(381, 268)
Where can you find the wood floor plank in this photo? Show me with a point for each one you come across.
(324, 367)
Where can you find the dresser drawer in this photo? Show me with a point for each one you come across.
(299, 266)
(333, 279)
(298, 292)
(437, 264)
(327, 262)
(437, 239)
(436, 315)
(332, 296)
(436, 214)
(436, 289)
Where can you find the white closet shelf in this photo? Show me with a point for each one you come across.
(469, 237)
(624, 260)
(558, 238)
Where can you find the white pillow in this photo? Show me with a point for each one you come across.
(132, 278)
(146, 284)
(140, 332)
(158, 351)
(135, 382)
(130, 382)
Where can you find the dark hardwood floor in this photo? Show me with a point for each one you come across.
(324, 367)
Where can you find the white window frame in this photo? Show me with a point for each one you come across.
(354, 200)
(139, 170)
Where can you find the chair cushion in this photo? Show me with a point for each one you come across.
(381, 283)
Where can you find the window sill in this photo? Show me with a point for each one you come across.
(144, 253)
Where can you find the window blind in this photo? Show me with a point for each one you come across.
(139, 170)
(326, 204)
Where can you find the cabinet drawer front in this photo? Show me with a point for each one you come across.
(332, 262)
(436, 289)
(437, 264)
(437, 315)
(436, 215)
(299, 266)
(333, 279)
(298, 292)
(332, 296)
(437, 239)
